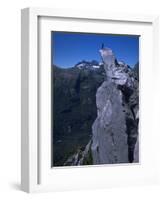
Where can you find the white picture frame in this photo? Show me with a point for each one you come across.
(36, 172)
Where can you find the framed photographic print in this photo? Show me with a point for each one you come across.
(88, 83)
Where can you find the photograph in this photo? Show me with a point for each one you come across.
(94, 99)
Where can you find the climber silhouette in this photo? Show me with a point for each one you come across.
(102, 46)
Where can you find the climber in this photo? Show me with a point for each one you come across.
(102, 46)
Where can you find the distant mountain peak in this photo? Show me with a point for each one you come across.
(92, 65)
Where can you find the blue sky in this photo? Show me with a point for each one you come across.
(70, 48)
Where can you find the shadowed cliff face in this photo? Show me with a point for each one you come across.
(74, 107)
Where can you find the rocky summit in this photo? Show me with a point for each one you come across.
(96, 112)
(115, 130)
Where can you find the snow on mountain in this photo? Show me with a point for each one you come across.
(121, 63)
(92, 65)
(96, 66)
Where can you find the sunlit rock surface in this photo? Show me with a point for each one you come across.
(115, 129)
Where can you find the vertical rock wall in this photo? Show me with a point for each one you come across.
(115, 128)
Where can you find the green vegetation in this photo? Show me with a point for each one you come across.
(88, 160)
